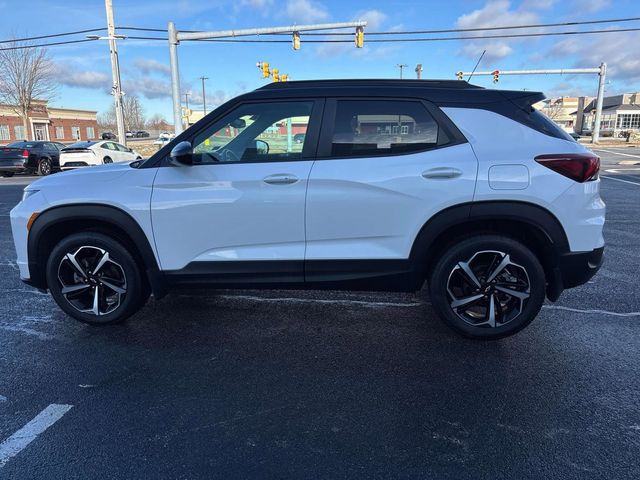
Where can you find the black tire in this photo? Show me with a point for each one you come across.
(128, 303)
(7, 174)
(484, 254)
(44, 167)
(106, 160)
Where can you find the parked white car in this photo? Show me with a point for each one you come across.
(91, 153)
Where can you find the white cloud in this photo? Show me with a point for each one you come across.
(306, 11)
(83, 79)
(538, 4)
(616, 49)
(495, 13)
(374, 18)
(259, 4)
(148, 87)
(148, 66)
(591, 6)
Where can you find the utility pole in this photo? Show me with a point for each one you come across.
(204, 98)
(595, 136)
(115, 72)
(186, 99)
(401, 66)
(175, 37)
(419, 71)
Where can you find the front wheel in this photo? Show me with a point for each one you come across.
(94, 279)
(487, 287)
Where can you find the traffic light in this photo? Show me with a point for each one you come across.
(459, 75)
(264, 66)
(359, 37)
(496, 76)
(296, 40)
(276, 75)
(284, 77)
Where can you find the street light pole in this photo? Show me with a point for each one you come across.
(115, 72)
(401, 66)
(204, 98)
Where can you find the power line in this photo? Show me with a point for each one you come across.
(44, 45)
(53, 35)
(448, 30)
(374, 40)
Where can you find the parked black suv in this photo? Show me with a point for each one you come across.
(108, 136)
(38, 157)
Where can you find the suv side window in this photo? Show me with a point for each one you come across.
(262, 132)
(383, 127)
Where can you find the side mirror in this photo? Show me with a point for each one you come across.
(181, 155)
(262, 147)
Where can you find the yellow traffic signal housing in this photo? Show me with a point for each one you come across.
(265, 69)
(496, 76)
(296, 40)
(284, 77)
(275, 74)
(359, 37)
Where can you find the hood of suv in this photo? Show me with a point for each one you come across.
(85, 175)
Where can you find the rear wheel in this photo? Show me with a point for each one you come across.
(487, 287)
(106, 160)
(94, 279)
(44, 167)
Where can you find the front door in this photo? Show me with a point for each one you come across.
(40, 131)
(237, 214)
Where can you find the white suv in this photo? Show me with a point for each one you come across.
(395, 183)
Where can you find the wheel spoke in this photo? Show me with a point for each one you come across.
(96, 298)
(113, 287)
(501, 266)
(492, 312)
(72, 260)
(472, 276)
(513, 293)
(104, 259)
(74, 288)
(461, 302)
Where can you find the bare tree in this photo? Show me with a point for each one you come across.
(158, 122)
(133, 112)
(26, 74)
(133, 115)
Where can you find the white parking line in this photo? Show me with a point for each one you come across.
(27, 434)
(620, 180)
(616, 153)
(592, 312)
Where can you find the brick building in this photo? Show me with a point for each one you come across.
(48, 123)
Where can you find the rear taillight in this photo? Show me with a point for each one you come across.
(25, 153)
(581, 167)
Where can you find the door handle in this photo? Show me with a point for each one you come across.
(442, 173)
(280, 179)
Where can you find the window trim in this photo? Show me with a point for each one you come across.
(309, 149)
(455, 136)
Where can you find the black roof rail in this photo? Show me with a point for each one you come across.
(371, 82)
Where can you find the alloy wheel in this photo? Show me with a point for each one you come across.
(489, 290)
(91, 281)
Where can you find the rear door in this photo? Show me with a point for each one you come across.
(384, 167)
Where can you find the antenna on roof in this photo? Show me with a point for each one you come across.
(477, 63)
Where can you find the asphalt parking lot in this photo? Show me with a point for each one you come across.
(283, 384)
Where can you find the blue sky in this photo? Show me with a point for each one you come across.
(83, 70)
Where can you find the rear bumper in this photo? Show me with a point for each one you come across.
(15, 166)
(578, 268)
(573, 269)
